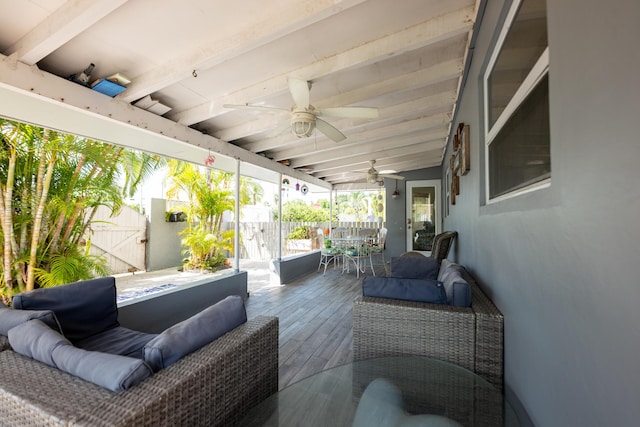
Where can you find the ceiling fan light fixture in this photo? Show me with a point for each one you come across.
(302, 124)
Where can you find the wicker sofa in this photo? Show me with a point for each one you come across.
(471, 337)
(215, 385)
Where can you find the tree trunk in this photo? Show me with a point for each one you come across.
(42, 191)
(7, 220)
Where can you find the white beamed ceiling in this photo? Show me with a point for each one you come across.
(404, 57)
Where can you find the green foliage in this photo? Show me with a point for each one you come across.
(69, 266)
(300, 211)
(51, 185)
(362, 205)
(300, 233)
(204, 239)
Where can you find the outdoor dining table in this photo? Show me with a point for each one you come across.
(429, 388)
(355, 249)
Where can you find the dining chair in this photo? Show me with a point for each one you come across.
(377, 249)
(442, 244)
(328, 252)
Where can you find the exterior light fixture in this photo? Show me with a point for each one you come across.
(395, 193)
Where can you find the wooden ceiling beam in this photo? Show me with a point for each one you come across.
(418, 36)
(69, 20)
(204, 56)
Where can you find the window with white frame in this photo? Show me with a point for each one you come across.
(516, 88)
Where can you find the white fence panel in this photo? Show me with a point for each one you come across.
(259, 240)
(121, 239)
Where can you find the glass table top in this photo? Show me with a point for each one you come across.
(426, 385)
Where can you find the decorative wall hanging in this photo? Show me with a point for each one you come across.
(455, 184)
(304, 189)
(464, 155)
(210, 160)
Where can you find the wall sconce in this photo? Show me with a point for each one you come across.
(396, 193)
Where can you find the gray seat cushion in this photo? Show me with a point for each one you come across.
(419, 290)
(118, 340)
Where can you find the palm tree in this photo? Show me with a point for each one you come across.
(51, 185)
(208, 200)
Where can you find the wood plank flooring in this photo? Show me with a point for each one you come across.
(316, 320)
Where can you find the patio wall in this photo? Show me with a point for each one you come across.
(155, 313)
(163, 247)
(561, 264)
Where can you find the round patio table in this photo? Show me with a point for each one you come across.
(427, 386)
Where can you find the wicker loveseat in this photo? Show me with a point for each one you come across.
(209, 369)
(215, 385)
(471, 337)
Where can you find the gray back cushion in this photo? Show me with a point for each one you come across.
(10, 318)
(82, 308)
(195, 332)
(116, 373)
(406, 267)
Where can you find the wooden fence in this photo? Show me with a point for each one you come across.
(259, 240)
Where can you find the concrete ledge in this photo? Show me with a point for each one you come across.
(155, 313)
(294, 266)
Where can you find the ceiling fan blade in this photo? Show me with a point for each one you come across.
(253, 107)
(329, 130)
(280, 129)
(388, 175)
(299, 91)
(349, 112)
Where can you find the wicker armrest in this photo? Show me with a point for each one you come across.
(215, 385)
(385, 327)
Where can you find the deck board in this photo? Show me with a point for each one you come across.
(316, 321)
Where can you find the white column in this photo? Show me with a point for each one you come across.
(279, 217)
(236, 237)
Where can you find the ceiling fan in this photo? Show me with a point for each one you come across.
(373, 176)
(305, 117)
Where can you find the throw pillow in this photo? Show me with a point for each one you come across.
(414, 268)
(195, 332)
(10, 318)
(445, 264)
(382, 405)
(116, 373)
(83, 308)
(456, 287)
(430, 291)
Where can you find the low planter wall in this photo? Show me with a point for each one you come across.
(155, 313)
(294, 266)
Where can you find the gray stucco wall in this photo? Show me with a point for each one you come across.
(562, 264)
(396, 209)
(163, 248)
